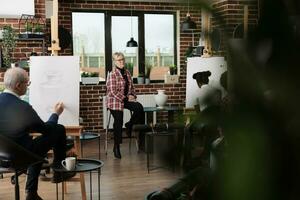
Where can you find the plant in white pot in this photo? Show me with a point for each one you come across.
(141, 78)
(173, 69)
(147, 74)
(89, 78)
(172, 77)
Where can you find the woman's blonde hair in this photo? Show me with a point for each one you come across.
(115, 56)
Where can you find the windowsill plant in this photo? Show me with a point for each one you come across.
(89, 78)
(172, 77)
(173, 69)
(141, 78)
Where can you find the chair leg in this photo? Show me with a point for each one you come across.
(137, 144)
(106, 132)
(81, 148)
(99, 148)
(17, 187)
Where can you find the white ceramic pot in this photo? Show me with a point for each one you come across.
(89, 80)
(161, 98)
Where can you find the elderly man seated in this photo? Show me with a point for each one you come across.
(18, 119)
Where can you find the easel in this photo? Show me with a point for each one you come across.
(54, 30)
(72, 130)
(206, 28)
(246, 15)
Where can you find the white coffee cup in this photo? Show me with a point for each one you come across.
(69, 163)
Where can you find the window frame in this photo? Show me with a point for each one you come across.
(141, 33)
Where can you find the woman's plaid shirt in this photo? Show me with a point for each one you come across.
(115, 86)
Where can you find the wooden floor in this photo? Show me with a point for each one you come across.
(120, 179)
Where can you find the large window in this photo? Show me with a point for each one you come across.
(88, 41)
(154, 32)
(159, 44)
(122, 28)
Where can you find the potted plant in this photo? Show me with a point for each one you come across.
(173, 69)
(140, 78)
(89, 78)
(28, 28)
(147, 74)
(28, 31)
(172, 77)
(38, 31)
(129, 67)
(8, 45)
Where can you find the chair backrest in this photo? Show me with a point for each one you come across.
(14, 156)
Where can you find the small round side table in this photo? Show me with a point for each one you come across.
(82, 165)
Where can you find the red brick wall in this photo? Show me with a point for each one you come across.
(24, 48)
(90, 104)
(231, 14)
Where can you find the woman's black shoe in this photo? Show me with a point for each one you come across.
(117, 152)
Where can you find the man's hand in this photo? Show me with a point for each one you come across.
(131, 98)
(59, 108)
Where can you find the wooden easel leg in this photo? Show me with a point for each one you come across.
(82, 185)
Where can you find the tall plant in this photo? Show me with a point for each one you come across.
(8, 44)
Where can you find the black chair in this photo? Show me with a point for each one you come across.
(164, 137)
(136, 130)
(16, 159)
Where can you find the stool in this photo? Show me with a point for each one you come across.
(138, 128)
(150, 147)
(168, 135)
(89, 136)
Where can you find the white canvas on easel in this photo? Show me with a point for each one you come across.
(216, 65)
(54, 79)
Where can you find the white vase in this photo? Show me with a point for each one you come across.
(161, 98)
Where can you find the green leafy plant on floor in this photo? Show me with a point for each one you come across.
(8, 44)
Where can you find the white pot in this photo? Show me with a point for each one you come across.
(161, 98)
(90, 80)
(140, 80)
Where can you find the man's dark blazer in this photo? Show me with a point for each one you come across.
(18, 119)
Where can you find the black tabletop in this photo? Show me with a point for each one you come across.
(82, 165)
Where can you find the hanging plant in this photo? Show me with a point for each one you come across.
(8, 44)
